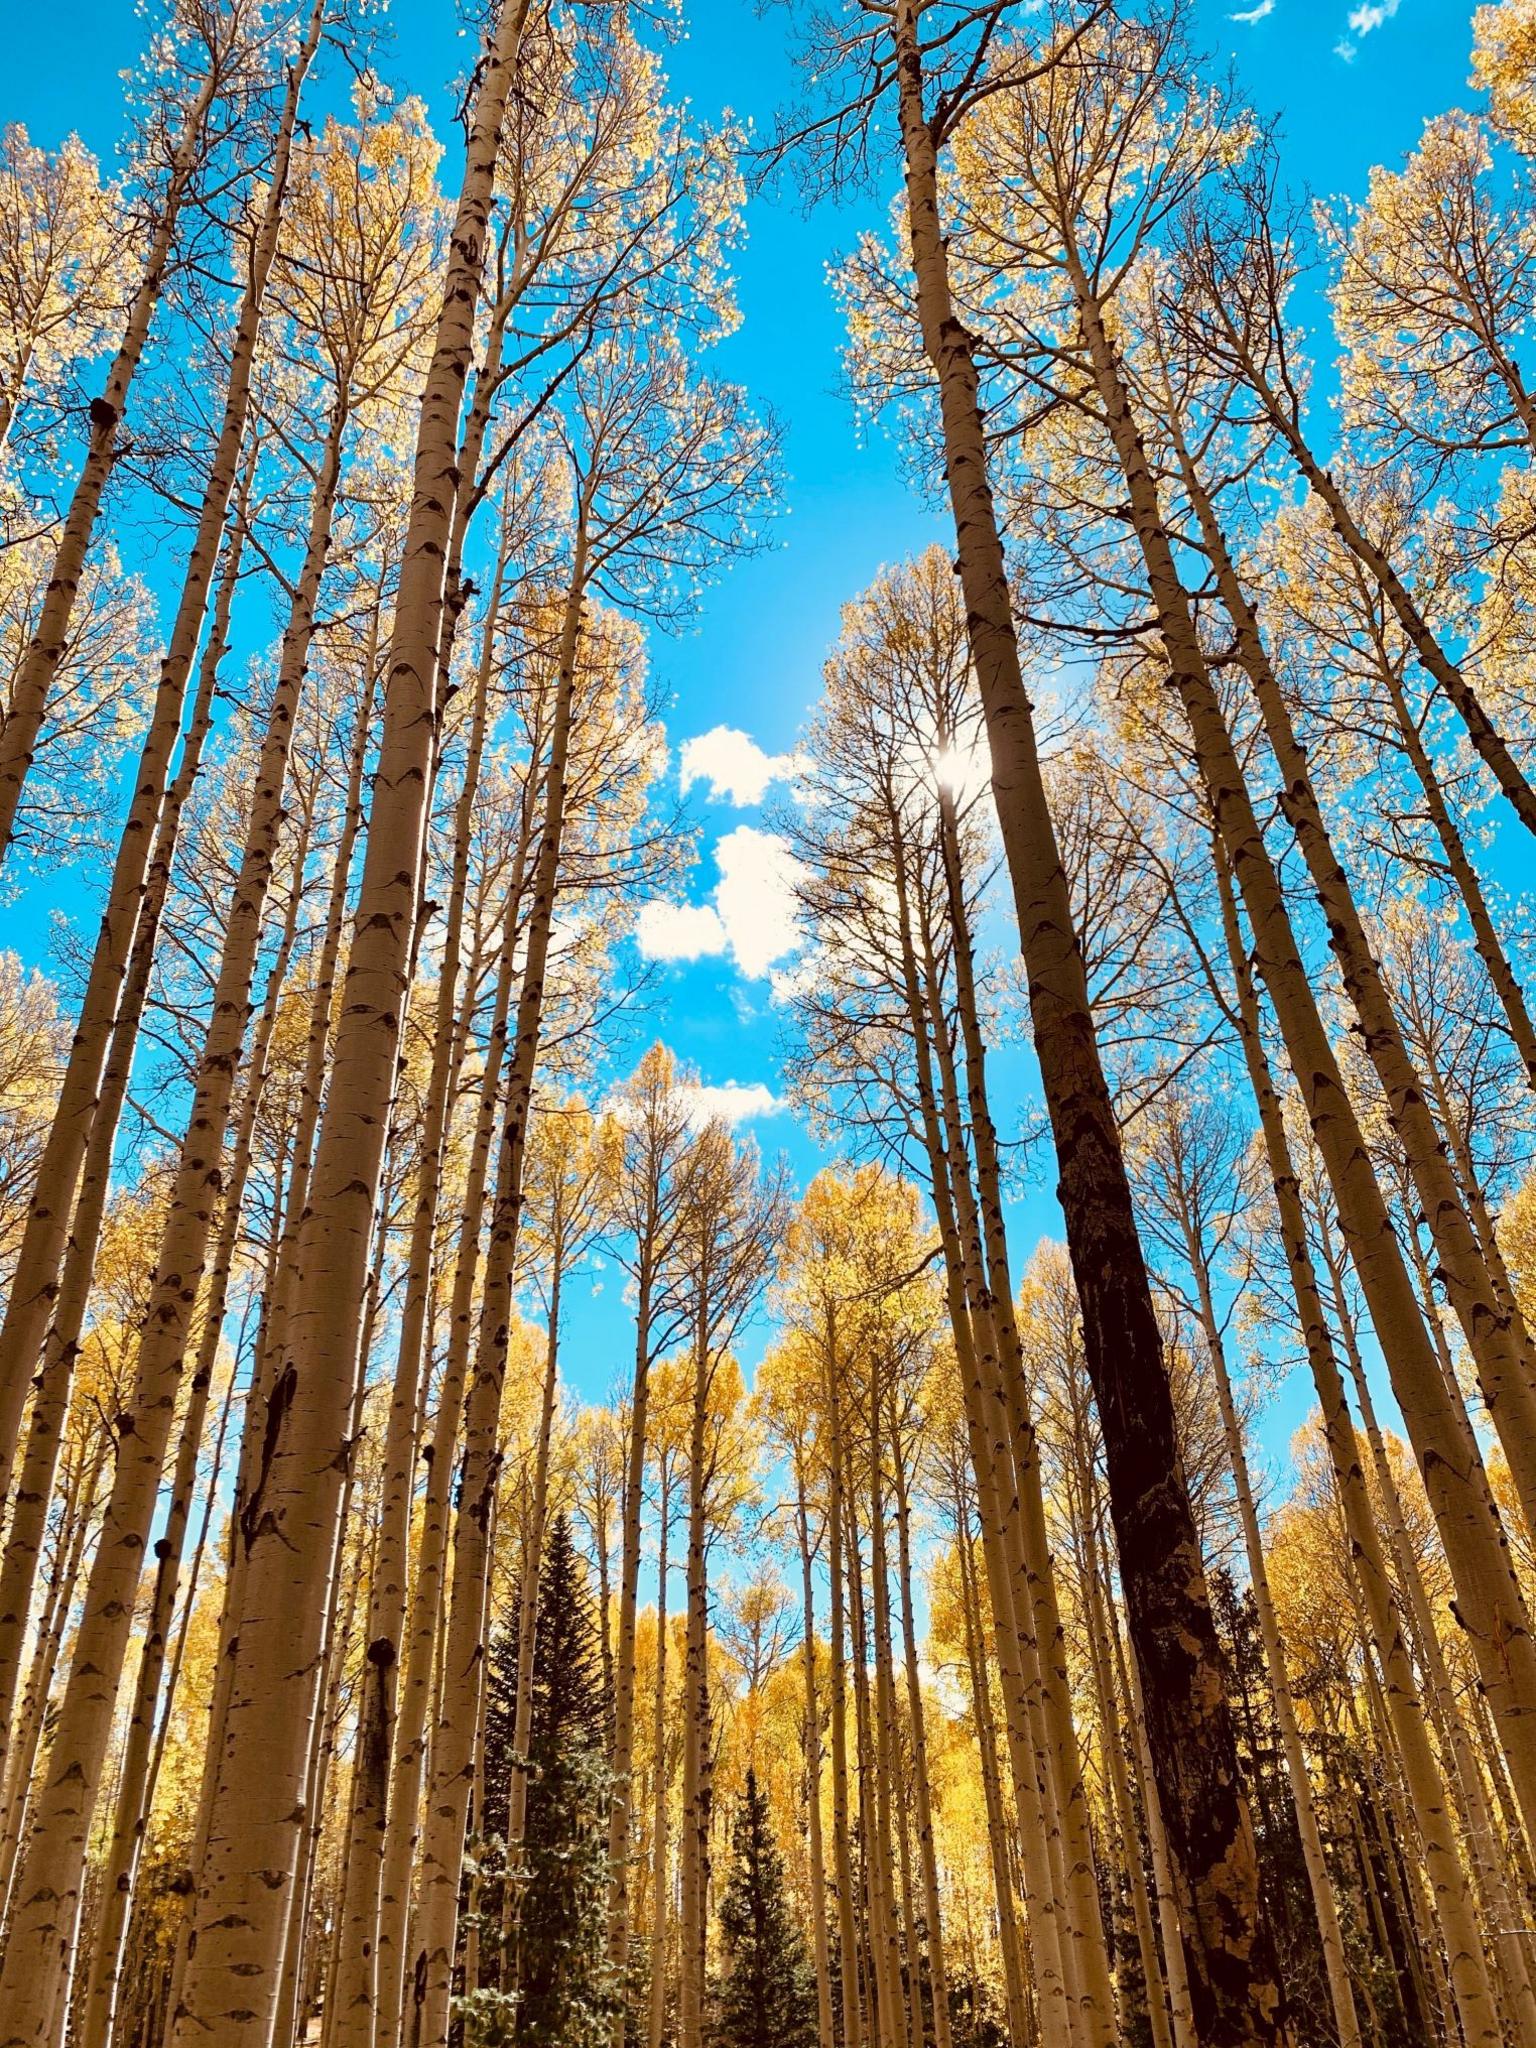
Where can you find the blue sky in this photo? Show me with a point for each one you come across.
(1351, 86)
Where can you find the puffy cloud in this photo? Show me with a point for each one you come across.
(1252, 14)
(1364, 19)
(755, 897)
(751, 916)
(679, 931)
(732, 1102)
(734, 765)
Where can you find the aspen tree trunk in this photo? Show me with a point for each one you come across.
(350, 2001)
(427, 1602)
(848, 1952)
(1319, 1883)
(1491, 1602)
(1056, 1692)
(995, 1484)
(888, 2028)
(117, 1877)
(474, 1827)
(29, 696)
(80, 1500)
(43, 1933)
(1426, 1788)
(652, 1230)
(533, 1557)
(879, 1715)
(927, 1856)
(1180, 2005)
(34, 1285)
(658, 2003)
(463, 1645)
(318, 1037)
(1493, 1332)
(1074, 1890)
(1229, 1962)
(1501, 1922)
(621, 1796)
(231, 1982)
(1020, 2026)
(528, 1607)
(819, 1945)
(694, 1843)
(34, 1481)
(1431, 655)
(1416, 1900)
(1114, 1750)
(342, 1609)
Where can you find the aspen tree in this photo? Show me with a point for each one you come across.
(34, 1475)
(1203, 1802)
(209, 65)
(238, 1930)
(86, 1712)
(35, 1282)
(350, 2008)
(785, 1392)
(1183, 1166)
(731, 1220)
(1469, 1527)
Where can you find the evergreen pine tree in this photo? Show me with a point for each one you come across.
(564, 1992)
(767, 1998)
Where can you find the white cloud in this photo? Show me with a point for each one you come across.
(732, 1102)
(734, 765)
(679, 931)
(1252, 14)
(1345, 49)
(756, 897)
(1370, 15)
(751, 917)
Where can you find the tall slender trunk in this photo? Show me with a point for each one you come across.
(813, 1757)
(1319, 1882)
(1403, 1706)
(996, 1484)
(1453, 847)
(350, 2002)
(694, 1841)
(55, 1378)
(44, 1930)
(1180, 2005)
(1231, 1969)
(842, 1852)
(1494, 1333)
(132, 1811)
(427, 1604)
(78, 1521)
(1064, 1751)
(656, 2024)
(938, 1974)
(463, 1645)
(34, 1285)
(1020, 2027)
(1112, 1738)
(533, 1556)
(1492, 1605)
(888, 2028)
(232, 1978)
